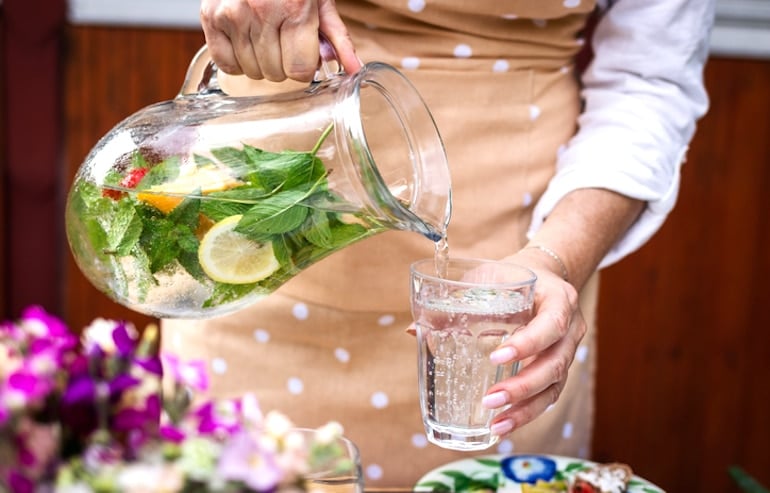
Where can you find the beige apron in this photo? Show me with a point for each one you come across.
(330, 344)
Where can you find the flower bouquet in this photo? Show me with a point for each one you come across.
(97, 414)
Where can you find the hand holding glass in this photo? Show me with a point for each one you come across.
(461, 316)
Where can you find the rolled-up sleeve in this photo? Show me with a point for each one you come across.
(643, 94)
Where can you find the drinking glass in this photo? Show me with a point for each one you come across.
(334, 467)
(463, 310)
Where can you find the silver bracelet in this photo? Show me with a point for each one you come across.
(553, 255)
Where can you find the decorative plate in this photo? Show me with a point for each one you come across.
(515, 474)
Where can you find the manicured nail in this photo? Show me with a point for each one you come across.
(503, 355)
(502, 427)
(495, 400)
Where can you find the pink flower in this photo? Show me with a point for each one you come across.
(242, 459)
(190, 374)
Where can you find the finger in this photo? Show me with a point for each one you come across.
(300, 50)
(332, 26)
(526, 411)
(246, 56)
(555, 308)
(547, 369)
(221, 50)
(270, 59)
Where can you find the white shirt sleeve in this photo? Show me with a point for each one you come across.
(643, 92)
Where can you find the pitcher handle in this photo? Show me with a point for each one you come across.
(201, 77)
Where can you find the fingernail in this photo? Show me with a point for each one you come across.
(502, 427)
(495, 400)
(503, 355)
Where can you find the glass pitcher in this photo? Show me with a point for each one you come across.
(198, 206)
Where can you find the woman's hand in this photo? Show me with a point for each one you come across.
(546, 347)
(274, 39)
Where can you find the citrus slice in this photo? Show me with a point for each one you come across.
(208, 179)
(230, 257)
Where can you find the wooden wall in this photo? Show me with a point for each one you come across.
(684, 355)
(684, 375)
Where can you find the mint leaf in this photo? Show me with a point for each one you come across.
(317, 230)
(277, 214)
(163, 172)
(143, 276)
(226, 293)
(219, 205)
(343, 234)
(125, 227)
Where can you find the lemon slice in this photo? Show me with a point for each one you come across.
(208, 179)
(230, 257)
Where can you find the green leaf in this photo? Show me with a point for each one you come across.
(282, 250)
(189, 262)
(233, 202)
(158, 241)
(124, 222)
(745, 481)
(131, 236)
(187, 211)
(227, 293)
(343, 234)
(489, 462)
(317, 230)
(436, 486)
(278, 214)
(142, 273)
(163, 172)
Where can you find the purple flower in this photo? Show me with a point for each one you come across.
(171, 433)
(43, 324)
(20, 483)
(188, 373)
(85, 389)
(243, 460)
(219, 417)
(27, 386)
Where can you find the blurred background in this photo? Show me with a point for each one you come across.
(684, 376)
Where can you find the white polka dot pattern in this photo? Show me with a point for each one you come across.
(410, 63)
(419, 440)
(500, 66)
(261, 335)
(463, 51)
(571, 4)
(416, 5)
(505, 446)
(566, 432)
(218, 366)
(581, 354)
(295, 386)
(534, 112)
(527, 200)
(373, 472)
(300, 311)
(379, 400)
(342, 355)
(386, 320)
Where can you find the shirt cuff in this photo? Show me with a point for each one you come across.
(660, 200)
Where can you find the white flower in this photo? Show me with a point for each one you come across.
(277, 424)
(99, 334)
(328, 433)
(141, 477)
(199, 458)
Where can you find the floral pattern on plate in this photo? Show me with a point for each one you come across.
(515, 474)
